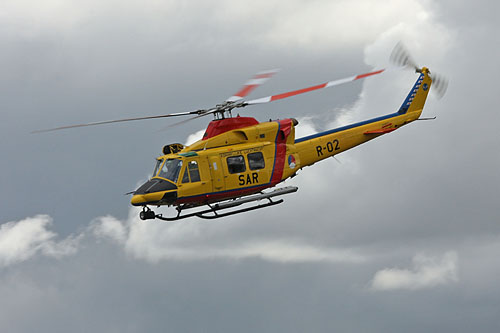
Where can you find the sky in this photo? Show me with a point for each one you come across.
(399, 234)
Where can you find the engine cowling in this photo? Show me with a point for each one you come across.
(172, 148)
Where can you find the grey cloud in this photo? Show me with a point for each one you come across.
(427, 272)
(430, 187)
(103, 287)
(196, 240)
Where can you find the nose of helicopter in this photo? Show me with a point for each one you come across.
(155, 191)
(138, 200)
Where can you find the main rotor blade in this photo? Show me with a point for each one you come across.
(207, 112)
(305, 90)
(257, 80)
(120, 121)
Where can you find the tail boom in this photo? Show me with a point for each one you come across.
(317, 147)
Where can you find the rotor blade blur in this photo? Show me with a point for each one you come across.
(257, 80)
(189, 119)
(119, 121)
(312, 88)
(401, 57)
(440, 84)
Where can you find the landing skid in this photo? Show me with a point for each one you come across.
(213, 212)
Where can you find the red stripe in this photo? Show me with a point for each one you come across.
(297, 92)
(380, 131)
(263, 76)
(280, 163)
(245, 90)
(280, 157)
(368, 74)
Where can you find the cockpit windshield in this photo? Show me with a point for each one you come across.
(157, 166)
(169, 170)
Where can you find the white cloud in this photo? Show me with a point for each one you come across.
(22, 240)
(109, 228)
(306, 127)
(192, 138)
(155, 241)
(194, 240)
(427, 272)
(318, 25)
(287, 251)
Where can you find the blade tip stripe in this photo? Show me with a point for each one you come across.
(361, 76)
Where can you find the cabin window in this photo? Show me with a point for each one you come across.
(256, 161)
(191, 173)
(194, 172)
(236, 164)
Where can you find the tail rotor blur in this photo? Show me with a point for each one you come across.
(401, 57)
(440, 84)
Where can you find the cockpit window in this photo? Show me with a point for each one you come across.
(157, 166)
(170, 169)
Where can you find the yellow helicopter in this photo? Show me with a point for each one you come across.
(239, 158)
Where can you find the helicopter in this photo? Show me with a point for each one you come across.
(239, 158)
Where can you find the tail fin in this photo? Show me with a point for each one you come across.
(415, 100)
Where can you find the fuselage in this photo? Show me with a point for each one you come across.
(240, 156)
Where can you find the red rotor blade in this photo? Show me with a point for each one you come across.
(258, 79)
(305, 90)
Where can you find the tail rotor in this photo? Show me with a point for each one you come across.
(440, 84)
(401, 57)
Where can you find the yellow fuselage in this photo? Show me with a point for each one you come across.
(239, 156)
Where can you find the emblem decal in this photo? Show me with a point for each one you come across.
(291, 162)
(425, 86)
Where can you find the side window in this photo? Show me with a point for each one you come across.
(191, 172)
(185, 178)
(194, 172)
(256, 161)
(236, 164)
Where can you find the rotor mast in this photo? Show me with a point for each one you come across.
(224, 110)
